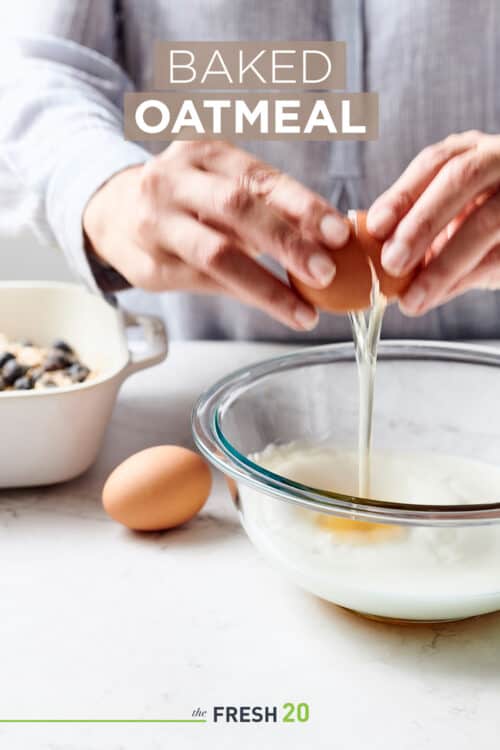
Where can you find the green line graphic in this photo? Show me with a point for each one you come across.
(103, 721)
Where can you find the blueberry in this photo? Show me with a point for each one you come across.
(12, 370)
(62, 346)
(24, 384)
(36, 373)
(78, 372)
(4, 357)
(56, 360)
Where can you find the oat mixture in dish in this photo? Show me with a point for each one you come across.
(25, 366)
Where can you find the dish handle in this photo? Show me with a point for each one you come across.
(153, 334)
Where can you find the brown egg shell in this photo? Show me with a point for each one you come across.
(158, 488)
(351, 286)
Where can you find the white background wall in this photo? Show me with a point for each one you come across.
(23, 257)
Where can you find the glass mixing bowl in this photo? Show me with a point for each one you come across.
(426, 545)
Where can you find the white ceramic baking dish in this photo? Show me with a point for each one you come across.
(54, 435)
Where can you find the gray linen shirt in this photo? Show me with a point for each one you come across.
(434, 65)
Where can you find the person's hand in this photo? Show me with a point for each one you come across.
(443, 211)
(198, 216)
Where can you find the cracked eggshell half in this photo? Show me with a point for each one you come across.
(351, 287)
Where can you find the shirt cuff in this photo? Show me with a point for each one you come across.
(107, 278)
(84, 165)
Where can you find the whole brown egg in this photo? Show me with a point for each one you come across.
(157, 488)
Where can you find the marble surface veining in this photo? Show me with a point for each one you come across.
(99, 622)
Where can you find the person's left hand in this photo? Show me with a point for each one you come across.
(443, 210)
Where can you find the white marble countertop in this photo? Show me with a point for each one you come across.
(100, 623)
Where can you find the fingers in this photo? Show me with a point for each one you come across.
(391, 206)
(486, 275)
(315, 217)
(464, 251)
(456, 185)
(172, 273)
(158, 271)
(229, 205)
(219, 257)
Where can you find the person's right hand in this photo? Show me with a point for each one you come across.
(196, 218)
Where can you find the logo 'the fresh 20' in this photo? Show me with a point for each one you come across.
(289, 714)
(296, 712)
